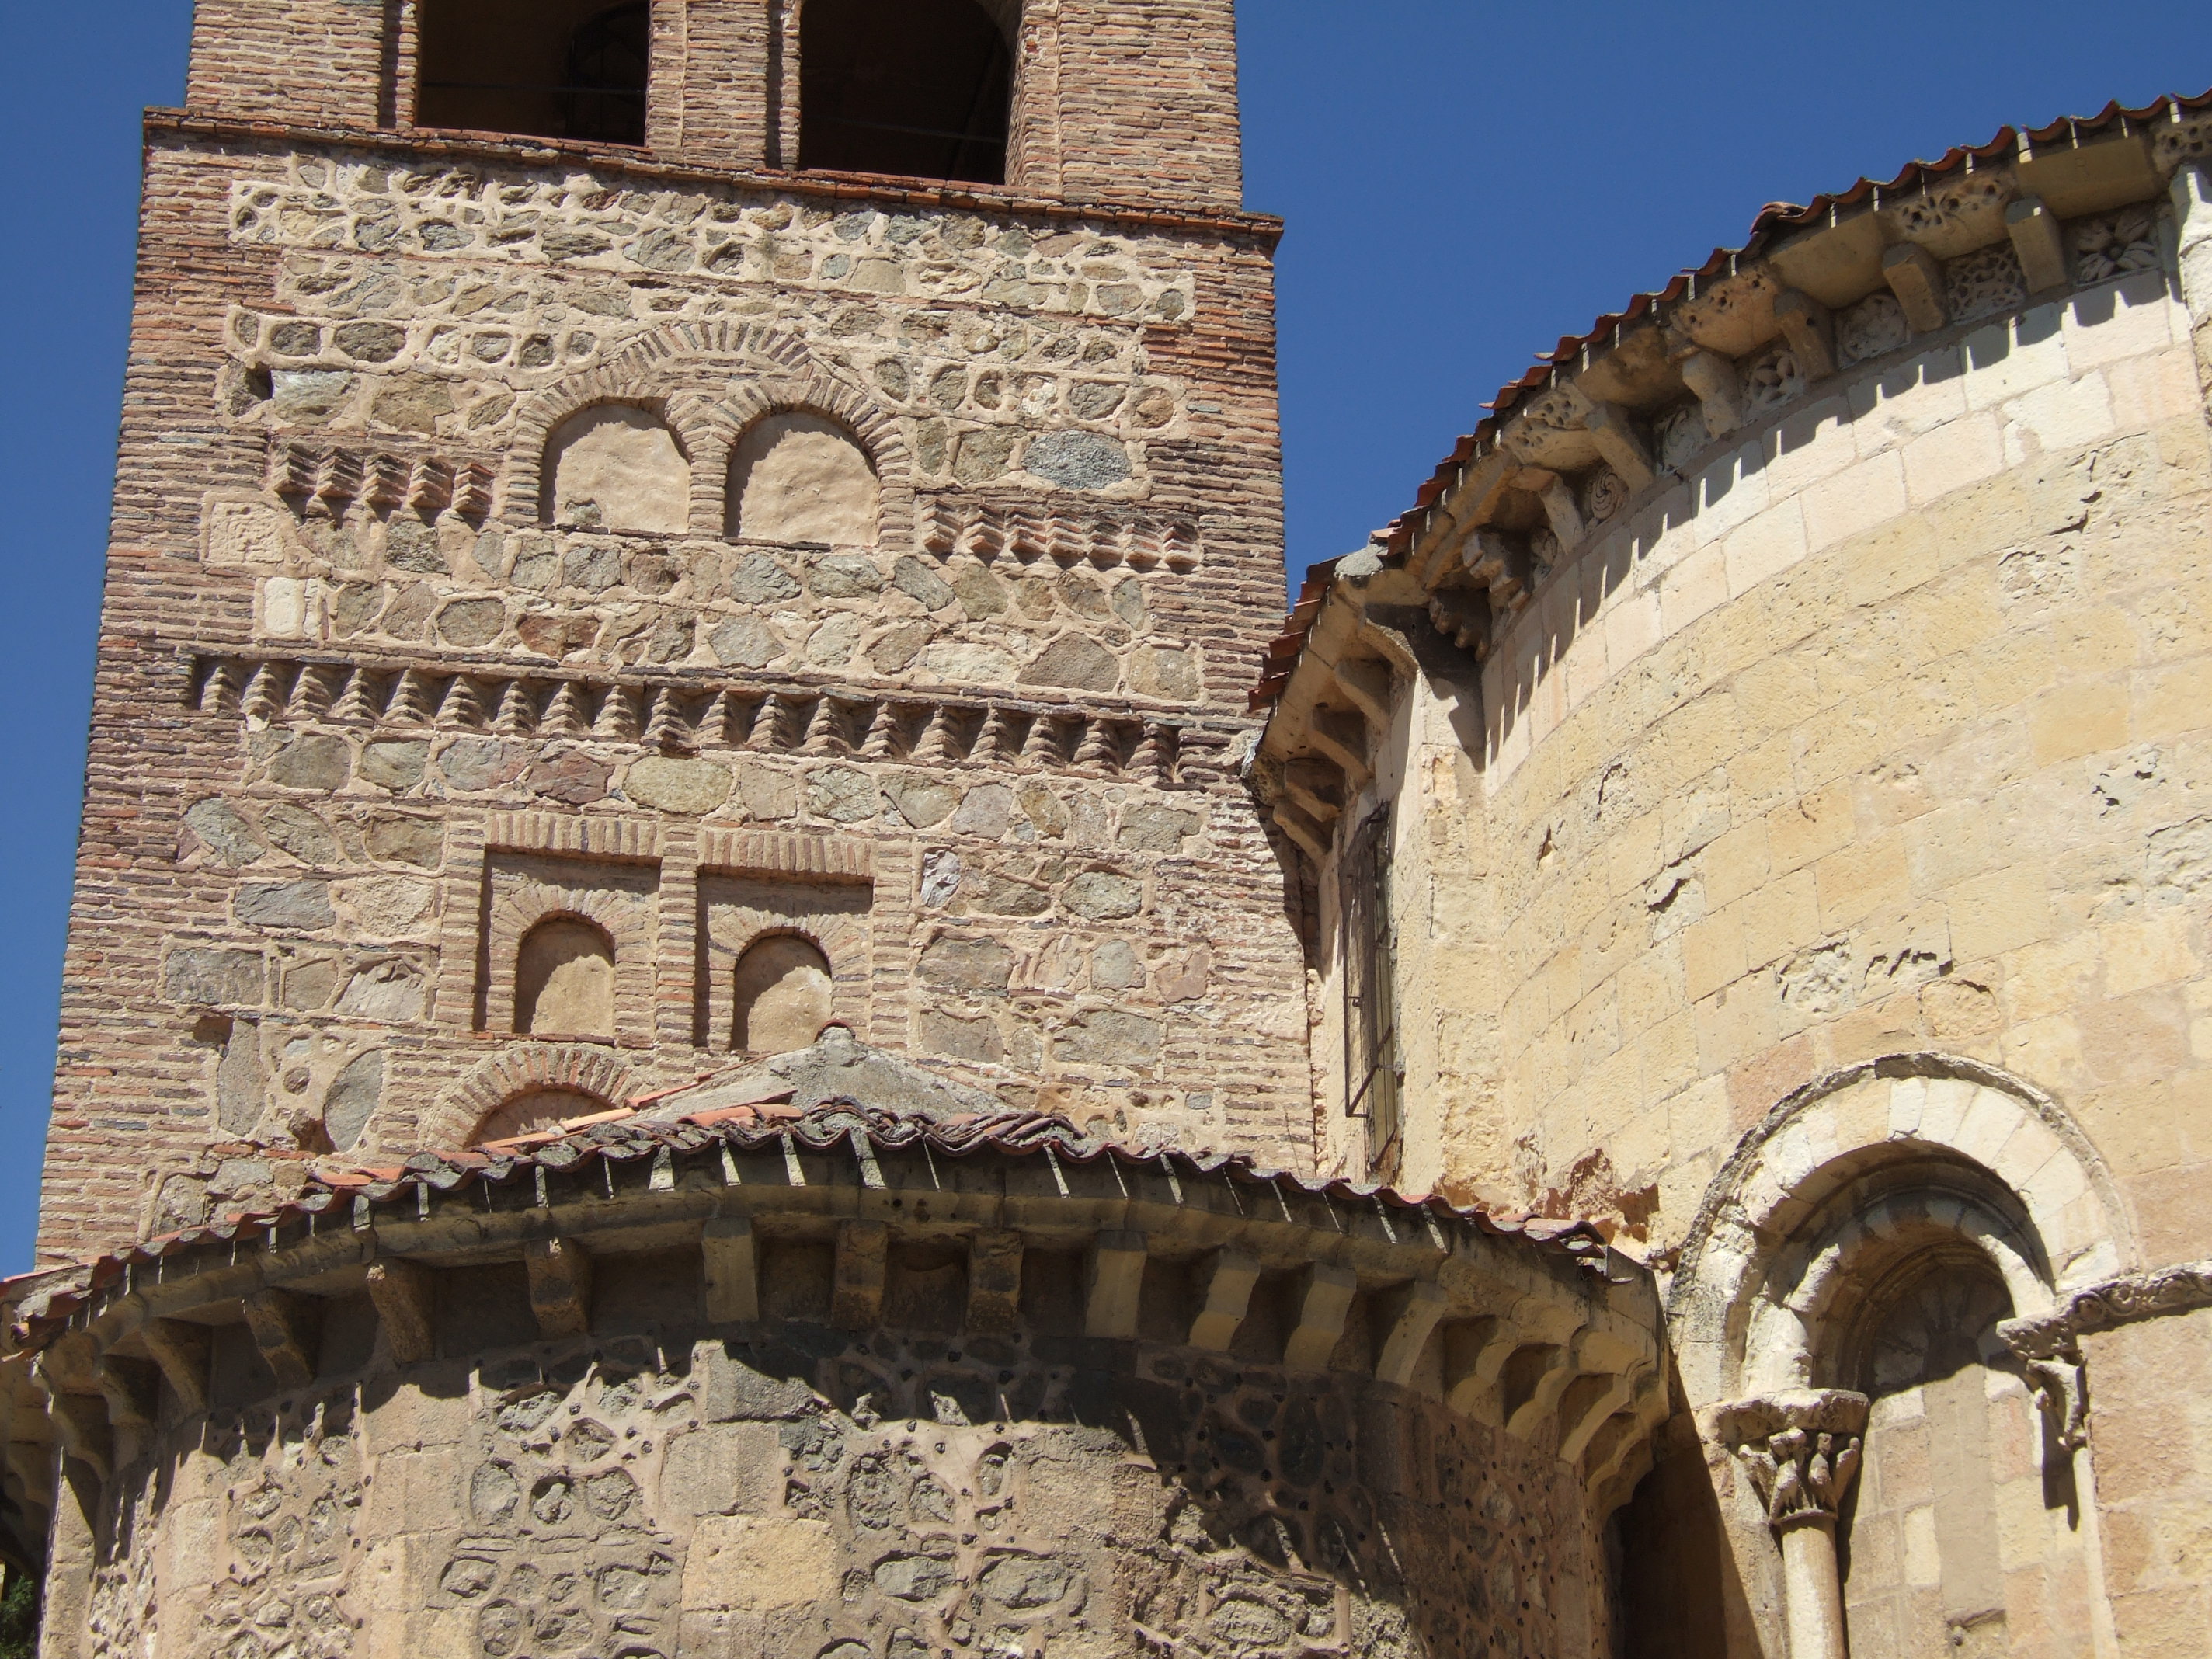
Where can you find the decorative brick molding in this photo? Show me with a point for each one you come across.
(552, 832)
(782, 853)
(586, 1068)
(690, 714)
(323, 480)
(1029, 531)
(524, 892)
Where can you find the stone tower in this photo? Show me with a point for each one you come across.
(645, 531)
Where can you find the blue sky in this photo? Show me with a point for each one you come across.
(1464, 184)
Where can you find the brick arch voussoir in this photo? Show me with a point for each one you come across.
(516, 913)
(523, 1066)
(542, 415)
(873, 428)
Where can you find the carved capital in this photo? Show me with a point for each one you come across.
(1801, 1451)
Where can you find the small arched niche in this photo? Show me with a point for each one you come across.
(616, 466)
(564, 980)
(917, 89)
(535, 1110)
(800, 477)
(783, 995)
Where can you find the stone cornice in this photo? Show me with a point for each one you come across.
(1681, 379)
(1433, 1281)
(2158, 1294)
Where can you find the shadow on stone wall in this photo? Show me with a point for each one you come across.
(804, 1492)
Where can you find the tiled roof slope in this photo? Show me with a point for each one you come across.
(1775, 222)
(629, 1135)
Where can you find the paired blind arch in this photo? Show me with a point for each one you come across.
(794, 476)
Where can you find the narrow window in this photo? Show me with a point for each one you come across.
(564, 982)
(797, 477)
(541, 69)
(783, 996)
(917, 88)
(1373, 1075)
(618, 467)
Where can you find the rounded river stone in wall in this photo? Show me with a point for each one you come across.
(1078, 460)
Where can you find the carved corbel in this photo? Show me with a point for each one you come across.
(1609, 1369)
(1715, 382)
(1918, 281)
(1317, 787)
(1311, 838)
(1543, 1401)
(80, 1419)
(2062, 1390)
(181, 1350)
(1117, 1282)
(1324, 1299)
(560, 1287)
(1493, 561)
(1810, 328)
(1614, 432)
(1607, 1456)
(995, 1283)
(856, 1295)
(733, 1275)
(1343, 737)
(1462, 615)
(131, 1388)
(284, 1330)
(1224, 1292)
(406, 1302)
(2036, 238)
(1558, 501)
(1475, 1352)
(1409, 1314)
(1366, 685)
(31, 1463)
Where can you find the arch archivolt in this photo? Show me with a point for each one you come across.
(709, 382)
(1859, 1163)
(587, 1069)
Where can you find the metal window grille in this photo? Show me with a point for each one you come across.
(1373, 1076)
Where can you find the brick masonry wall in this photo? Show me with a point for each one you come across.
(347, 664)
(1130, 104)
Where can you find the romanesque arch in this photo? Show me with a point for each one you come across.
(782, 994)
(616, 466)
(564, 980)
(467, 1113)
(796, 476)
(1839, 1314)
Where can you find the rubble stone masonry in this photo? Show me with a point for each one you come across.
(505, 533)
